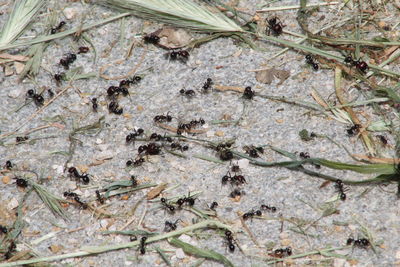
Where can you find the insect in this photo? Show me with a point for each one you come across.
(383, 139)
(9, 165)
(50, 93)
(362, 66)
(133, 238)
(207, 84)
(177, 146)
(3, 229)
(83, 50)
(11, 249)
(185, 200)
(114, 107)
(134, 181)
(310, 61)
(73, 172)
(225, 154)
(67, 60)
(163, 118)
(151, 38)
(136, 162)
(213, 205)
(268, 208)
(150, 149)
(142, 245)
(99, 197)
(188, 93)
(20, 139)
(235, 168)
(236, 193)
(58, 28)
(274, 26)
(229, 238)
(37, 98)
(21, 182)
(341, 190)
(171, 226)
(132, 136)
(251, 214)
(253, 151)
(59, 77)
(248, 93)
(353, 130)
(168, 206)
(361, 242)
(181, 55)
(281, 252)
(69, 194)
(304, 155)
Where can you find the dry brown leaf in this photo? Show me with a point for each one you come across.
(14, 57)
(156, 191)
(173, 38)
(265, 76)
(19, 67)
(56, 248)
(8, 71)
(282, 75)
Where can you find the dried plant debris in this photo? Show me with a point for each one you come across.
(268, 75)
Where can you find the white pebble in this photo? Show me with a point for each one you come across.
(210, 133)
(12, 204)
(243, 163)
(70, 12)
(14, 93)
(99, 141)
(180, 254)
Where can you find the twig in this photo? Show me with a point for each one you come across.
(295, 7)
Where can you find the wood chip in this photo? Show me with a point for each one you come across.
(153, 193)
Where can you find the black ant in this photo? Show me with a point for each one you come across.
(207, 84)
(3, 229)
(213, 205)
(188, 93)
(10, 251)
(362, 66)
(251, 214)
(310, 61)
(37, 98)
(235, 168)
(353, 130)
(248, 93)
(99, 197)
(151, 38)
(253, 151)
(186, 200)
(171, 226)
(179, 147)
(383, 139)
(75, 197)
(21, 182)
(304, 155)
(83, 50)
(361, 242)
(58, 28)
(163, 118)
(340, 188)
(275, 26)
(181, 55)
(225, 155)
(229, 238)
(113, 107)
(150, 149)
(132, 136)
(50, 93)
(68, 60)
(168, 206)
(68, 194)
(135, 163)
(281, 252)
(143, 245)
(59, 77)
(268, 208)
(20, 139)
(94, 104)
(183, 127)
(8, 165)
(134, 181)
(73, 172)
(236, 193)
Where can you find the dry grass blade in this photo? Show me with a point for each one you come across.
(181, 13)
(23, 13)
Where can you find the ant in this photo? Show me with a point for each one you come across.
(37, 98)
(50, 93)
(183, 127)
(150, 149)
(179, 147)
(340, 188)
(135, 163)
(304, 155)
(353, 130)
(134, 181)
(188, 93)
(186, 200)
(235, 168)
(75, 174)
(59, 77)
(253, 151)
(248, 93)
(21, 182)
(310, 61)
(10, 251)
(113, 107)
(68, 194)
(229, 238)
(383, 139)
(163, 118)
(251, 214)
(68, 60)
(362, 66)
(361, 242)
(275, 26)
(99, 197)
(213, 205)
(3, 229)
(207, 84)
(281, 252)
(151, 38)
(75, 197)
(20, 139)
(181, 55)
(170, 226)
(132, 136)
(58, 28)
(236, 193)
(194, 123)
(142, 245)
(8, 165)
(83, 50)
(168, 206)
(225, 155)
(268, 208)
(94, 104)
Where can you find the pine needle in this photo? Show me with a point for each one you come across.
(180, 13)
(23, 13)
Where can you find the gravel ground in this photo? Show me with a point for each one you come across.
(298, 198)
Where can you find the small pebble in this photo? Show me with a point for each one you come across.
(180, 254)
